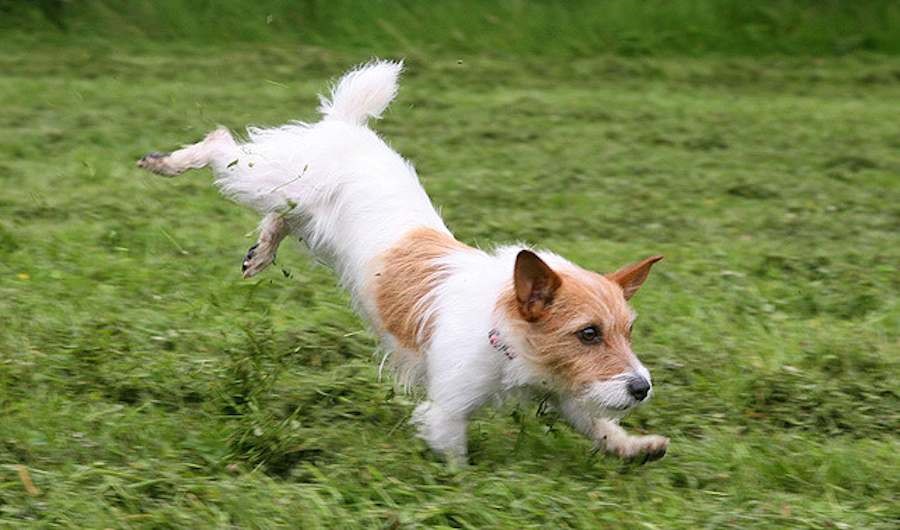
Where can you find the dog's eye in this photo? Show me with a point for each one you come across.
(590, 335)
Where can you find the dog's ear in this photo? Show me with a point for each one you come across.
(631, 277)
(535, 284)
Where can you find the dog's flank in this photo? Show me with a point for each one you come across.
(405, 283)
(440, 307)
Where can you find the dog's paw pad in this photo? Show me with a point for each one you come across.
(248, 258)
(256, 260)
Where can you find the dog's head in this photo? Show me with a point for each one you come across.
(575, 325)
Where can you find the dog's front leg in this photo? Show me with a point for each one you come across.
(611, 438)
(272, 230)
(444, 430)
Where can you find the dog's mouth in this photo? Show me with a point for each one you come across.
(615, 408)
(610, 397)
(607, 410)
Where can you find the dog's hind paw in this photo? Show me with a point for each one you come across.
(258, 257)
(157, 163)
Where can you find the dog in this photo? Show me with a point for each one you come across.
(468, 325)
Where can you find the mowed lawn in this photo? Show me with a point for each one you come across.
(144, 384)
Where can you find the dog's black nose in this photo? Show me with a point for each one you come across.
(638, 387)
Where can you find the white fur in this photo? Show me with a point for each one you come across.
(350, 197)
(363, 93)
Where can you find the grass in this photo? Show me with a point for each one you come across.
(549, 28)
(143, 384)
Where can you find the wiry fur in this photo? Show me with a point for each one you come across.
(359, 206)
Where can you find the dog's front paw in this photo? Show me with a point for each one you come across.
(655, 448)
(157, 163)
(650, 448)
(641, 449)
(258, 257)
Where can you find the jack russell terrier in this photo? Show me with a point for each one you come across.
(470, 326)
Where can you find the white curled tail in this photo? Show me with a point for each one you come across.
(362, 93)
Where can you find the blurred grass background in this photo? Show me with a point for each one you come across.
(143, 384)
(571, 28)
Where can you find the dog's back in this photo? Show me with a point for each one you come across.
(335, 183)
(347, 193)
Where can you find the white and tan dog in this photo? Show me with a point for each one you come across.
(469, 325)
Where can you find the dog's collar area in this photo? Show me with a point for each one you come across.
(499, 345)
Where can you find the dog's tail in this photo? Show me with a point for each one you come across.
(362, 93)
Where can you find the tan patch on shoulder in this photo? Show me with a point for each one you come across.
(406, 276)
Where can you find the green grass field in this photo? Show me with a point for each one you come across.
(143, 384)
(549, 28)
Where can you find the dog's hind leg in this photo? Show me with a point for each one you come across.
(272, 230)
(217, 149)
